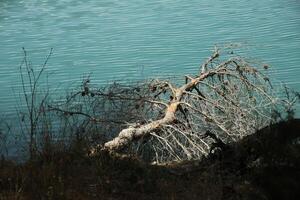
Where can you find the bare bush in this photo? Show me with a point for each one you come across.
(100, 112)
(34, 117)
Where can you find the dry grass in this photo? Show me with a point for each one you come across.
(245, 170)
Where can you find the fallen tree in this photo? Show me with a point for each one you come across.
(228, 98)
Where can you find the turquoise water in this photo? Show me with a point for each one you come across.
(136, 39)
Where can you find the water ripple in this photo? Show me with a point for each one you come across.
(121, 40)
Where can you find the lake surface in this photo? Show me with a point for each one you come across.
(135, 39)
